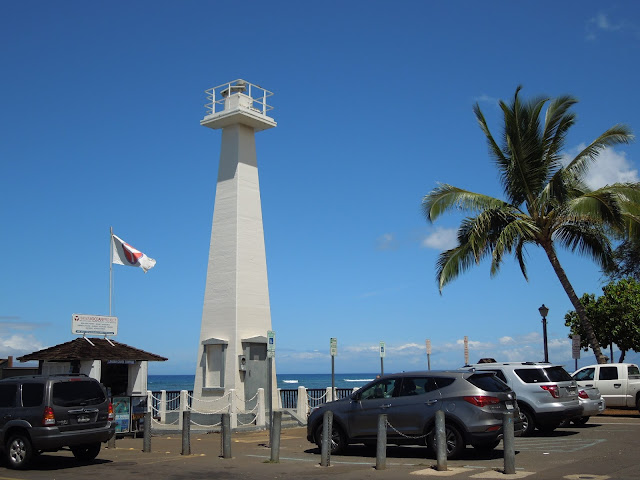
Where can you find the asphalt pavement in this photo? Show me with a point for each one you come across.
(607, 447)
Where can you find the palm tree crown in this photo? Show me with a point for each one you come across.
(547, 201)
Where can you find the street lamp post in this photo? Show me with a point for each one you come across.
(544, 311)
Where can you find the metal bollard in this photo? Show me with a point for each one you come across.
(226, 435)
(186, 432)
(327, 429)
(146, 442)
(275, 439)
(441, 442)
(509, 443)
(381, 444)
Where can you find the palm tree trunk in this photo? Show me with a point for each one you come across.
(575, 301)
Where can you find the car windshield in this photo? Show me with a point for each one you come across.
(488, 382)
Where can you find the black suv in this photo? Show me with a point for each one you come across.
(45, 414)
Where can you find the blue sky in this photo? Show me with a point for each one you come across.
(99, 119)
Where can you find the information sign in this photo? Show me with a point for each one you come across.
(93, 325)
(428, 342)
(575, 347)
(382, 350)
(271, 344)
(333, 346)
(466, 350)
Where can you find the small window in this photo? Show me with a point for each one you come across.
(498, 373)
(608, 373)
(632, 371)
(586, 374)
(488, 382)
(8, 395)
(215, 366)
(32, 394)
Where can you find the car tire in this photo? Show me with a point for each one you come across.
(86, 453)
(338, 439)
(18, 451)
(579, 420)
(454, 441)
(528, 422)
(487, 446)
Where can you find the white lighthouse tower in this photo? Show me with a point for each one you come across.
(236, 315)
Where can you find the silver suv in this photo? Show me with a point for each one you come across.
(546, 393)
(45, 414)
(474, 404)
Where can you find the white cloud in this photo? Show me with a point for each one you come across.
(602, 22)
(484, 98)
(610, 167)
(387, 241)
(441, 239)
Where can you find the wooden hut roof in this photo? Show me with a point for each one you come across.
(81, 349)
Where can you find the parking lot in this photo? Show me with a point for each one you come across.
(606, 447)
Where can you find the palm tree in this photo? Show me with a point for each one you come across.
(548, 202)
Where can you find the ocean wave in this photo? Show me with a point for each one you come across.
(358, 380)
(290, 381)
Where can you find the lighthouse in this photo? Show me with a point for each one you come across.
(236, 314)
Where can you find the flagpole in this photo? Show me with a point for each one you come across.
(110, 268)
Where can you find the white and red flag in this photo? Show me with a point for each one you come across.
(125, 254)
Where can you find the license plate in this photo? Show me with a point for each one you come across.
(509, 406)
(83, 418)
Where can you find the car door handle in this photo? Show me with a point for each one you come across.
(387, 405)
(589, 385)
(7, 417)
(431, 402)
(617, 385)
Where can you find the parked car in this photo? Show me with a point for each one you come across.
(619, 383)
(47, 413)
(474, 404)
(546, 393)
(591, 402)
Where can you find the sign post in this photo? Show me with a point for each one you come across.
(271, 352)
(466, 350)
(333, 348)
(382, 354)
(575, 348)
(428, 342)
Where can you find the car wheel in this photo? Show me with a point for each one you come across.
(528, 421)
(338, 439)
(18, 451)
(453, 439)
(86, 453)
(487, 446)
(579, 420)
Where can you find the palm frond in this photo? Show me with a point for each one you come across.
(618, 134)
(586, 239)
(446, 197)
(516, 231)
(452, 263)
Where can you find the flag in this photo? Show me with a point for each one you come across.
(125, 254)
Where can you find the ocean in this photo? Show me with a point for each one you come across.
(285, 381)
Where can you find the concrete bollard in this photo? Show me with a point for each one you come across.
(327, 429)
(275, 441)
(381, 444)
(186, 432)
(441, 442)
(226, 435)
(112, 442)
(509, 443)
(146, 442)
